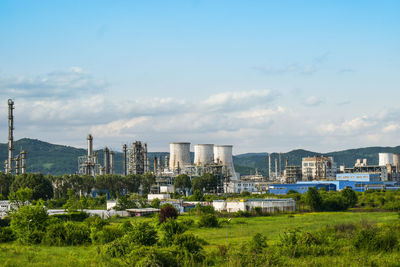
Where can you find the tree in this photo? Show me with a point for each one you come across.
(182, 181)
(170, 228)
(143, 233)
(197, 184)
(132, 182)
(5, 184)
(210, 182)
(148, 179)
(349, 196)
(41, 186)
(73, 203)
(20, 197)
(314, 199)
(29, 223)
(167, 211)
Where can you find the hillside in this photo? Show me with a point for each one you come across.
(58, 159)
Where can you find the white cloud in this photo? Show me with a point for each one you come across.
(313, 101)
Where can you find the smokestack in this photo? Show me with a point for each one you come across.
(159, 163)
(155, 165)
(124, 150)
(23, 161)
(269, 166)
(286, 162)
(166, 163)
(111, 162)
(106, 161)
(90, 145)
(280, 163)
(10, 134)
(276, 168)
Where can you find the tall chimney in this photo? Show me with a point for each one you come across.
(90, 145)
(280, 164)
(269, 166)
(10, 134)
(106, 161)
(276, 168)
(111, 162)
(16, 159)
(124, 158)
(155, 165)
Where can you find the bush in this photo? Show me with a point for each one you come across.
(335, 203)
(29, 223)
(106, 235)
(95, 222)
(208, 220)
(126, 226)
(5, 222)
(152, 256)
(241, 213)
(167, 211)
(170, 228)
(258, 243)
(187, 221)
(189, 244)
(6, 234)
(143, 233)
(55, 235)
(78, 216)
(76, 233)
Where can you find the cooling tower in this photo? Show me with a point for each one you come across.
(179, 155)
(223, 156)
(203, 154)
(385, 158)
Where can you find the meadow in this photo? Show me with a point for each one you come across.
(240, 231)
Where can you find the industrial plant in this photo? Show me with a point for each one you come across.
(17, 164)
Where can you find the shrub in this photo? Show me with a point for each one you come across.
(106, 235)
(29, 223)
(143, 233)
(167, 211)
(189, 244)
(95, 222)
(187, 221)
(126, 226)
(78, 216)
(152, 256)
(241, 213)
(6, 234)
(76, 233)
(155, 203)
(5, 222)
(55, 235)
(313, 199)
(170, 228)
(349, 196)
(335, 203)
(208, 220)
(258, 243)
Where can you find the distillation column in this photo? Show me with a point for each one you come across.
(10, 135)
(124, 157)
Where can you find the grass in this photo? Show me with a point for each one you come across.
(242, 229)
(239, 230)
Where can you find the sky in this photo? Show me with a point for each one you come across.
(263, 76)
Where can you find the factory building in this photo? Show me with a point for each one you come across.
(266, 205)
(292, 174)
(318, 167)
(137, 158)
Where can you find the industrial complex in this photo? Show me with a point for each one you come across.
(315, 171)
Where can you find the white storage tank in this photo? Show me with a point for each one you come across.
(223, 156)
(385, 159)
(179, 155)
(203, 154)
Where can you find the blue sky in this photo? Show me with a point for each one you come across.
(261, 75)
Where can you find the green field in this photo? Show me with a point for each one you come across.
(240, 230)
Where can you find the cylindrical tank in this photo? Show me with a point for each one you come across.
(203, 154)
(179, 155)
(90, 145)
(396, 161)
(223, 156)
(385, 158)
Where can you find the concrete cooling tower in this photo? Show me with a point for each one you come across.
(223, 156)
(385, 158)
(203, 154)
(179, 155)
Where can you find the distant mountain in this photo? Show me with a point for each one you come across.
(58, 159)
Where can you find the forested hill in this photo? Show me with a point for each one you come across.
(58, 159)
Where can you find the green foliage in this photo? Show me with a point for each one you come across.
(349, 196)
(41, 186)
(182, 181)
(22, 196)
(189, 247)
(5, 184)
(197, 196)
(78, 216)
(95, 222)
(72, 203)
(208, 220)
(55, 235)
(107, 234)
(148, 179)
(76, 233)
(258, 243)
(29, 223)
(125, 202)
(143, 233)
(155, 203)
(334, 203)
(6, 234)
(167, 211)
(170, 228)
(314, 199)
